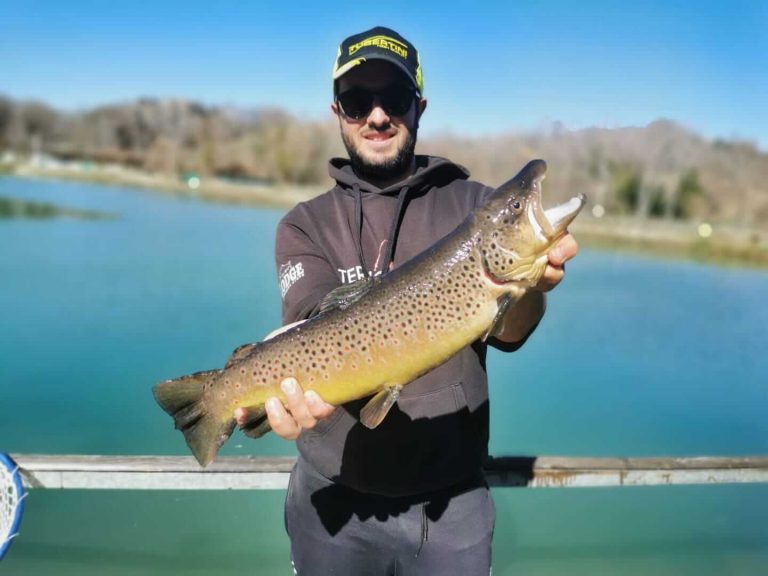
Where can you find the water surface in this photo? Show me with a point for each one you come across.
(636, 357)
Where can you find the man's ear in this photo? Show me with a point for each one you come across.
(335, 108)
(422, 107)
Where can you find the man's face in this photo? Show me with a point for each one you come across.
(380, 144)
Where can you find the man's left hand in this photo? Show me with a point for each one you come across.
(563, 251)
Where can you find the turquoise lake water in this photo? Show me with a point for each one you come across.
(636, 357)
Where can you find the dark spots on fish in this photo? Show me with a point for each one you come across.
(242, 371)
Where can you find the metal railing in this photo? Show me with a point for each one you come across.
(250, 473)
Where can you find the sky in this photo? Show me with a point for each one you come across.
(489, 67)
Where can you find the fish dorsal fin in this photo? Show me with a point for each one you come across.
(504, 302)
(347, 294)
(239, 353)
(378, 407)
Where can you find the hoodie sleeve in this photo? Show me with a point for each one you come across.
(304, 273)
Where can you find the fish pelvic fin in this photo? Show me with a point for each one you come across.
(379, 406)
(204, 432)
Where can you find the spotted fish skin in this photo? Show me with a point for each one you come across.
(402, 324)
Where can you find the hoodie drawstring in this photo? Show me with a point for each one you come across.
(424, 528)
(359, 224)
(393, 230)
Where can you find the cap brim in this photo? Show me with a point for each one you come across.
(352, 63)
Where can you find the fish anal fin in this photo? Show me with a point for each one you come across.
(379, 406)
(256, 424)
(347, 294)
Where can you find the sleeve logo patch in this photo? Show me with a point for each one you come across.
(289, 275)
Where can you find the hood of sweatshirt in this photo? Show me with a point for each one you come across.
(430, 171)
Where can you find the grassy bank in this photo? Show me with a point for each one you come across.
(727, 246)
(206, 189)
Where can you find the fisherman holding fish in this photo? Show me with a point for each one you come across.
(407, 497)
(403, 274)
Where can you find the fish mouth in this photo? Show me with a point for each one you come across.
(552, 223)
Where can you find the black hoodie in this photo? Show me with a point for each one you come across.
(437, 434)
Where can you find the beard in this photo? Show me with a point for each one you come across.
(392, 167)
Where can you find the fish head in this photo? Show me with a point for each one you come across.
(516, 232)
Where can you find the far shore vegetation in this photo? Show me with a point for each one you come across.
(660, 188)
(13, 208)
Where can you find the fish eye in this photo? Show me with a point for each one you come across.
(516, 205)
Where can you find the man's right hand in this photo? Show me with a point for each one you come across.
(304, 410)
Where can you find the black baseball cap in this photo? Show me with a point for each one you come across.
(379, 43)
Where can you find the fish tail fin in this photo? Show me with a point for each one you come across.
(204, 431)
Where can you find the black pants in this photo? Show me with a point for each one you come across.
(337, 531)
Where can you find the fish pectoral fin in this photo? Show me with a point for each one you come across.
(378, 407)
(504, 302)
(347, 294)
(239, 353)
(257, 424)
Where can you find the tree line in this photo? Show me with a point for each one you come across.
(663, 170)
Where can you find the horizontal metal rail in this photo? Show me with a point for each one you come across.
(249, 473)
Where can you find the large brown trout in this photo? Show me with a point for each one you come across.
(373, 337)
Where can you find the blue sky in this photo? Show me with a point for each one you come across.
(489, 67)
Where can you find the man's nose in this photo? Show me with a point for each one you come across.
(378, 117)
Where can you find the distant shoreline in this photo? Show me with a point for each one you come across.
(726, 247)
(207, 189)
(729, 246)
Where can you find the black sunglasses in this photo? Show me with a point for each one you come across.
(357, 103)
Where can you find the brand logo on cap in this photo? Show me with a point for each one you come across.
(382, 42)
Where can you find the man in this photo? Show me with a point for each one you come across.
(408, 497)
